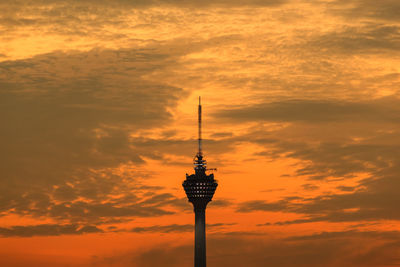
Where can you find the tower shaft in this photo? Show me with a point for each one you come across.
(200, 238)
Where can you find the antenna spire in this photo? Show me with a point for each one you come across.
(200, 140)
(199, 162)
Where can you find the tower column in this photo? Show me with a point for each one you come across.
(200, 188)
(200, 238)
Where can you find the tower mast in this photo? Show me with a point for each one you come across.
(200, 189)
(199, 162)
(199, 115)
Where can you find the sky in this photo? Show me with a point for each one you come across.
(301, 112)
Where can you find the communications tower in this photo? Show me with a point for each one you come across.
(200, 188)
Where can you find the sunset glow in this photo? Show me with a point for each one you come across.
(301, 112)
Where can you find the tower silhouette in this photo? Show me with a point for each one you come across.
(200, 188)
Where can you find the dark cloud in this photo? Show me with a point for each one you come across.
(387, 10)
(96, 205)
(68, 109)
(364, 39)
(336, 160)
(336, 156)
(373, 198)
(346, 188)
(316, 111)
(220, 202)
(222, 134)
(332, 139)
(376, 203)
(260, 205)
(95, 5)
(215, 3)
(87, 17)
(94, 212)
(310, 187)
(48, 230)
(164, 228)
(68, 117)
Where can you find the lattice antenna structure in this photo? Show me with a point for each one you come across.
(199, 161)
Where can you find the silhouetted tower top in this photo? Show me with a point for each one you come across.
(200, 187)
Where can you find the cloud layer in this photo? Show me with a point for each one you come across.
(97, 105)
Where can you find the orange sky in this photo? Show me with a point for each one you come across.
(301, 119)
